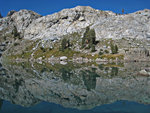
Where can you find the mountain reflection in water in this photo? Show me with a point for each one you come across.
(96, 88)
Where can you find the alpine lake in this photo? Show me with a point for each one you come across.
(74, 87)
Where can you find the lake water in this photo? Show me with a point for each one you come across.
(74, 88)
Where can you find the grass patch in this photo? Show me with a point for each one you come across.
(112, 56)
(55, 52)
(24, 55)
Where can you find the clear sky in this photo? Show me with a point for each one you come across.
(45, 7)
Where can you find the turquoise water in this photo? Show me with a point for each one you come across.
(74, 88)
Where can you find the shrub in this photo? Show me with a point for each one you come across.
(101, 49)
(43, 49)
(100, 53)
(4, 37)
(15, 44)
(65, 44)
(106, 51)
(93, 48)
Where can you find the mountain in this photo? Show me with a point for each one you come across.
(130, 32)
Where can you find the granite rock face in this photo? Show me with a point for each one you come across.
(20, 19)
(106, 23)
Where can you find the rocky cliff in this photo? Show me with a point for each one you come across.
(107, 25)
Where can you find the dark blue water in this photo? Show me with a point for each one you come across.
(45, 107)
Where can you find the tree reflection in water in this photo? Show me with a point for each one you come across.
(1, 103)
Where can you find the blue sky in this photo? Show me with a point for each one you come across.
(45, 7)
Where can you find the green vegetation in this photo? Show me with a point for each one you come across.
(15, 33)
(93, 48)
(114, 49)
(74, 38)
(106, 51)
(43, 49)
(16, 44)
(88, 40)
(54, 52)
(65, 44)
(112, 56)
(89, 78)
(113, 65)
(100, 53)
(114, 71)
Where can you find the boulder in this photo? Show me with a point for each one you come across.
(144, 72)
(63, 58)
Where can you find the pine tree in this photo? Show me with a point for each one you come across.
(116, 49)
(89, 38)
(112, 49)
(93, 48)
(15, 32)
(65, 44)
(85, 35)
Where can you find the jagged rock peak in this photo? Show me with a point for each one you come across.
(25, 12)
(82, 8)
(10, 13)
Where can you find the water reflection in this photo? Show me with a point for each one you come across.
(80, 86)
(1, 103)
(89, 78)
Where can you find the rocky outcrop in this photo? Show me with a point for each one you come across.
(64, 22)
(10, 13)
(20, 19)
(106, 24)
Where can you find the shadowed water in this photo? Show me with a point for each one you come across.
(74, 88)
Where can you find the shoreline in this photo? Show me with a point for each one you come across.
(75, 60)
